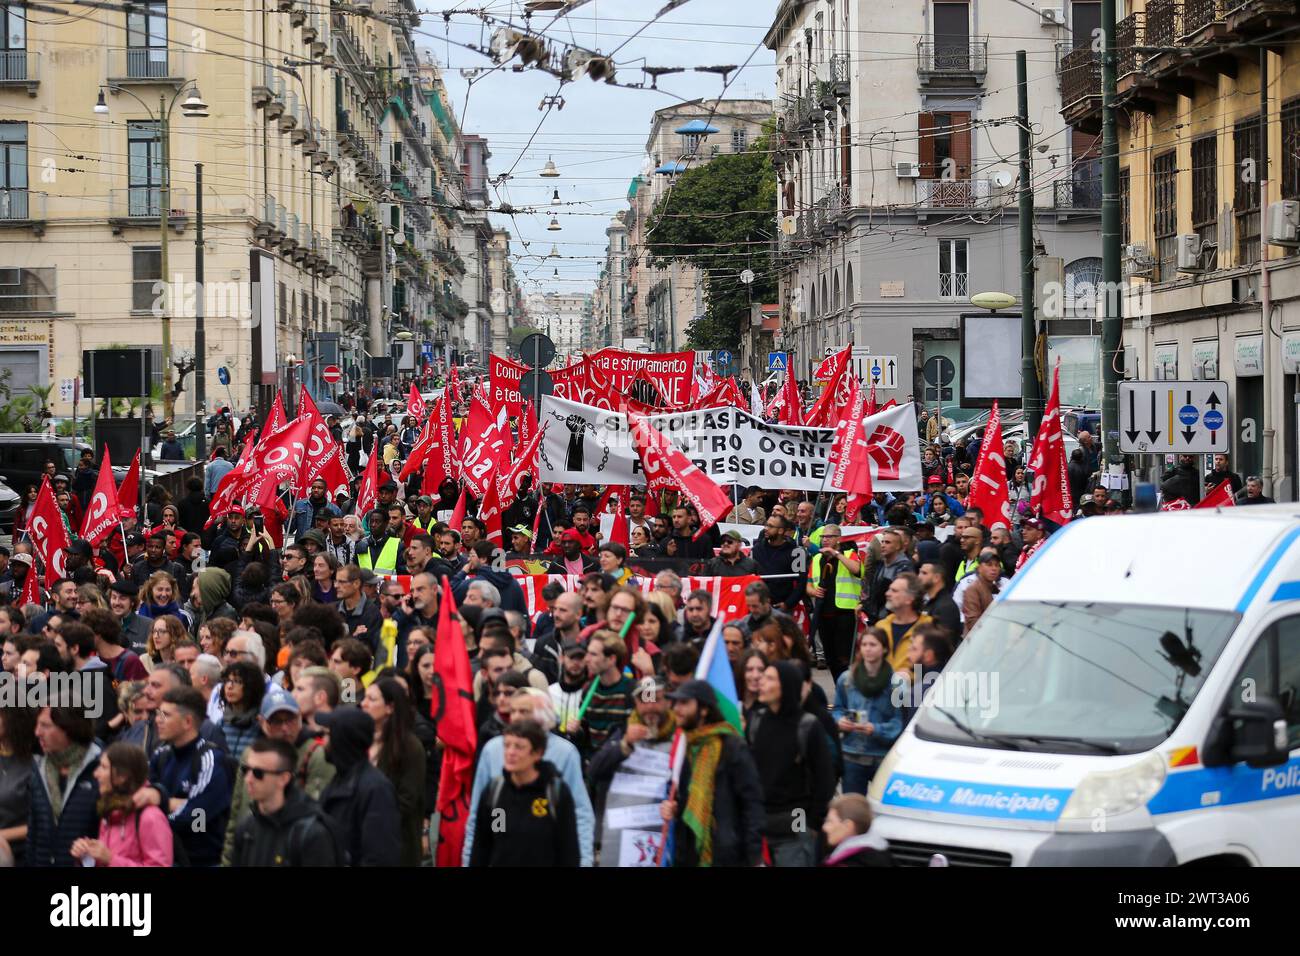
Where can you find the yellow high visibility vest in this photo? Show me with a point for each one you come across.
(387, 556)
(848, 586)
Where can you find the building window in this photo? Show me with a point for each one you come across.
(146, 40)
(1205, 197)
(952, 268)
(1082, 280)
(146, 269)
(1125, 208)
(944, 145)
(13, 43)
(739, 139)
(144, 169)
(27, 290)
(1290, 146)
(13, 171)
(1164, 189)
(1245, 183)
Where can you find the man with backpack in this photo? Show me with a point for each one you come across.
(360, 798)
(795, 766)
(189, 780)
(285, 826)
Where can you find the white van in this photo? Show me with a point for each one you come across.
(1132, 699)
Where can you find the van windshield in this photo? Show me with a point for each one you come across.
(1075, 677)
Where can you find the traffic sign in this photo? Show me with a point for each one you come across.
(223, 375)
(878, 370)
(776, 361)
(1167, 417)
(722, 358)
(537, 350)
(331, 374)
(536, 383)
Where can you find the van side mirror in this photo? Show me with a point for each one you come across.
(1259, 736)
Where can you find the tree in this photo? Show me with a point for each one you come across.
(719, 218)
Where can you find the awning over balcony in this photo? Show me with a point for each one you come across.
(671, 169)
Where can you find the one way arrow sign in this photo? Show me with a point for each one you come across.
(1164, 417)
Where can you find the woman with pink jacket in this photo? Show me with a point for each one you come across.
(127, 836)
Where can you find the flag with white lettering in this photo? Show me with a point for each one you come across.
(102, 513)
(666, 467)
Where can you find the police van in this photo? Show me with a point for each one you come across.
(1131, 699)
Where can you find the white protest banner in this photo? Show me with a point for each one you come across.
(590, 445)
(639, 847)
(638, 816)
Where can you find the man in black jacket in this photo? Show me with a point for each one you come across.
(730, 563)
(795, 766)
(735, 832)
(683, 543)
(361, 616)
(360, 798)
(938, 602)
(776, 554)
(285, 827)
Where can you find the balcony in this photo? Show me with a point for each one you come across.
(147, 66)
(1209, 16)
(20, 68)
(267, 225)
(949, 62)
(1077, 195)
(22, 207)
(1080, 72)
(953, 193)
(142, 206)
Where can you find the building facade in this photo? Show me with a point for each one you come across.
(896, 152)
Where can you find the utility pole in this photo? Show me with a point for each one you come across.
(200, 332)
(1265, 286)
(1031, 396)
(164, 212)
(1112, 323)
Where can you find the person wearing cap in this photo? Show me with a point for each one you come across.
(717, 810)
(567, 692)
(387, 494)
(1033, 531)
(123, 598)
(650, 726)
(314, 542)
(521, 541)
(573, 561)
(228, 544)
(835, 586)
(424, 519)
(155, 559)
(984, 584)
(381, 552)
(523, 510)
(730, 562)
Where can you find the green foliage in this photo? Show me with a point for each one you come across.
(719, 218)
(21, 414)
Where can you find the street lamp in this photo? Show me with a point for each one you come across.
(554, 226)
(549, 171)
(193, 107)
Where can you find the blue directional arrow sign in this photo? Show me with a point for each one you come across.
(223, 375)
(722, 358)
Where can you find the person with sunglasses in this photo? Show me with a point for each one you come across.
(284, 827)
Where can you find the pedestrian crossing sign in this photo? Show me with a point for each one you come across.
(776, 361)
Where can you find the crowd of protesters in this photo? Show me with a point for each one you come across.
(286, 693)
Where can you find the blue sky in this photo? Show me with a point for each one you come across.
(598, 139)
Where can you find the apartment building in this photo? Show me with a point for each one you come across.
(659, 303)
(331, 192)
(562, 317)
(1195, 225)
(896, 152)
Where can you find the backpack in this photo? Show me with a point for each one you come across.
(552, 794)
(298, 833)
(803, 733)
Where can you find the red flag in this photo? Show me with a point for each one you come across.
(319, 444)
(833, 365)
(419, 450)
(725, 392)
(273, 516)
(334, 472)
(527, 423)
(834, 371)
(128, 493)
(453, 386)
(489, 512)
(415, 403)
(31, 590)
(458, 512)
(848, 422)
(1051, 492)
(1220, 496)
(871, 401)
(853, 469)
(102, 514)
(988, 487)
(666, 467)
(619, 533)
(1175, 504)
(440, 457)
(452, 710)
(524, 464)
(485, 444)
(787, 403)
(275, 418)
(227, 488)
(48, 533)
(278, 458)
(368, 490)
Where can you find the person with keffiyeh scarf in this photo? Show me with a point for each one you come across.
(716, 813)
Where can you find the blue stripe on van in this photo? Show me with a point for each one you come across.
(1266, 569)
(1287, 591)
(1208, 787)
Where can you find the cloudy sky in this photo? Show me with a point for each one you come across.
(598, 139)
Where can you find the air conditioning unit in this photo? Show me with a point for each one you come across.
(905, 170)
(1052, 17)
(1188, 255)
(1138, 260)
(1284, 223)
